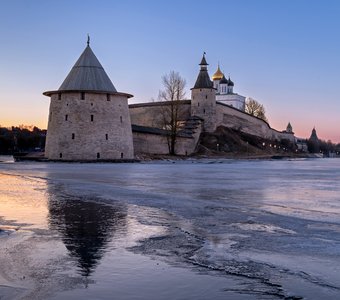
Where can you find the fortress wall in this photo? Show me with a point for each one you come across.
(233, 118)
(150, 114)
(283, 135)
(152, 143)
(146, 143)
(77, 137)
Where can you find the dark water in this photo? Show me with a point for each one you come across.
(185, 230)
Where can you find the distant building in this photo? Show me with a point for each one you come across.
(313, 142)
(314, 137)
(225, 91)
(289, 128)
(88, 118)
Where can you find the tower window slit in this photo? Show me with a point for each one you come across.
(206, 96)
(73, 136)
(82, 96)
(60, 155)
(122, 155)
(106, 136)
(91, 118)
(59, 96)
(121, 119)
(66, 117)
(108, 97)
(198, 104)
(204, 111)
(98, 155)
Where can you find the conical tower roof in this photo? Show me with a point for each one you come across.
(88, 75)
(203, 80)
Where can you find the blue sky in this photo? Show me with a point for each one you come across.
(285, 54)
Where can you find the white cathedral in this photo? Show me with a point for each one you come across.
(225, 91)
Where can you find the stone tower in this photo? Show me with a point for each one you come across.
(289, 128)
(203, 98)
(88, 119)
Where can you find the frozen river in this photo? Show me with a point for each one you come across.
(207, 229)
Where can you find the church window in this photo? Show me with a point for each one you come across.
(98, 155)
(108, 97)
(122, 155)
(82, 96)
(59, 96)
(73, 136)
(106, 136)
(60, 155)
(121, 119)
(91, 118)
(66, 117)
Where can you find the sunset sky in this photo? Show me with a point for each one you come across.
(285, 54)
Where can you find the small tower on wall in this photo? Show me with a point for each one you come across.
(88, 119)
(289, 128)
(203, 98)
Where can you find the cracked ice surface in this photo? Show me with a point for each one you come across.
(171, 230)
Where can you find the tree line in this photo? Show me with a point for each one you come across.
(21, 139)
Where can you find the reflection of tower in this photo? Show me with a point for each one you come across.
(86, 226)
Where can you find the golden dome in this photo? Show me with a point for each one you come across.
(218, 74)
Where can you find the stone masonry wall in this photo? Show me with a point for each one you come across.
(150, 114)
(89, 129)
(203, 105)
(233, 118)
(146, 143)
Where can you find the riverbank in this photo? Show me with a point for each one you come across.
(39, 157)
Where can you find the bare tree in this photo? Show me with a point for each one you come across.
(172, 94)
(256, 109)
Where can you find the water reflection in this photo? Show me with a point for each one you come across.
(86, 224)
